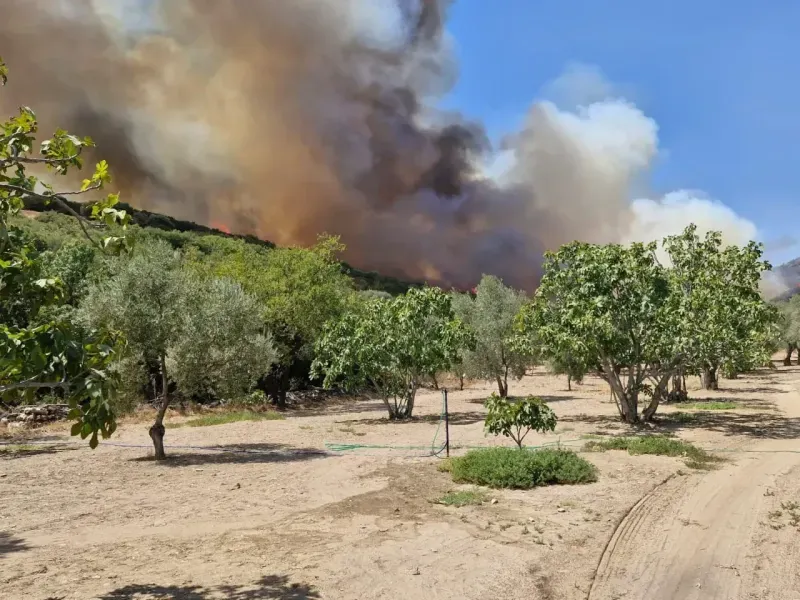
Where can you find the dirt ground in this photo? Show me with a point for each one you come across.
(282, 510)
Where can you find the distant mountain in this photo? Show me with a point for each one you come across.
(790, 274)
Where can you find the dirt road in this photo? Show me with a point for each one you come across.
(720, 535)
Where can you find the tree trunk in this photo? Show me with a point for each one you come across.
(629, 404)
(569, 382)
(709, 378)
(461, 382)
(280, 398)
(403, 410)
(502, 387)
(627, 400)
(658, 395)
(787, 362)
(435, 381)
(157, 430)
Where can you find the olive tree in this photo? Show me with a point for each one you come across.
(391, 346)
(39, 349)
(147, 301)
(490, 315)
(223, 349)
(205, 335)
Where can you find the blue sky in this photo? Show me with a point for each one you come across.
(721, 79)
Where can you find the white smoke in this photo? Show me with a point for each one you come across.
(590, 158)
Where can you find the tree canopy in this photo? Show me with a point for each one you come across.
(391, 346)
(722, 321)
(619, 312)
(205, 335)
(490, 315)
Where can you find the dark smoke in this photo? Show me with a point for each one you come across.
(290, 118)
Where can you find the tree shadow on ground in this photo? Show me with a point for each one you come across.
(765, 376)
(341, 407)
(753, 390)
(455, 418)
(512, 398)
(270, 587)
(772, 426)
(760, 425)
(235, 454)
(14, 450)
(10, 543)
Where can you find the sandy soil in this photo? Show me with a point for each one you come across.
(271, 509)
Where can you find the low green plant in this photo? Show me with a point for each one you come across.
(223, 418)
(255, 399)
(710, 405)
(459, 498)
(514, 469)
(517, 419)
(696, 458)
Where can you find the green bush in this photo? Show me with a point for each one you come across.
(510, 468)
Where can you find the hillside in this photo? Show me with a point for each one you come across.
(363, 280)
(790, 273)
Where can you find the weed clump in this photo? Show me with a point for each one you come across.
(710, 405)
(696, 458)
(461, 498)
(521, 469)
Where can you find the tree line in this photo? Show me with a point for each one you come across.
(104, 313)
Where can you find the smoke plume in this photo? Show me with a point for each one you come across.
(286, 119)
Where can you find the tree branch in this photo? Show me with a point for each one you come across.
(31, 384)
(61, 202)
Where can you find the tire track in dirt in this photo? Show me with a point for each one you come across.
(692, 537)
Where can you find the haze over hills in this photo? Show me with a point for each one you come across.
(788, 274)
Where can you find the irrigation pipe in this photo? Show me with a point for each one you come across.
(346, 447)
(432, 451)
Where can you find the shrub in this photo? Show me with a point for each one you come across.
(509, 468)
(461, 498)
(696, 458)
(517, 419)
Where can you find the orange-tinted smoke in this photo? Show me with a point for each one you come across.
(282, 119)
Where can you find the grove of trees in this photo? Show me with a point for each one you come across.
(619, 312)
(104, 313)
